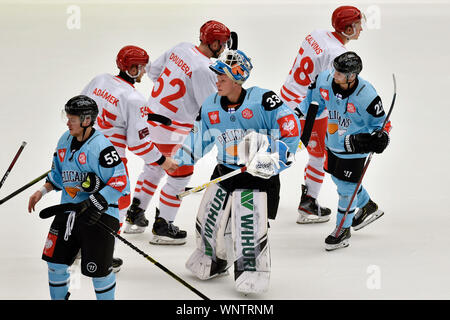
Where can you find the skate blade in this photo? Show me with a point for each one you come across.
(332, 247)
(374, 216)
(161, 240)
(132, 229)
(309, 218)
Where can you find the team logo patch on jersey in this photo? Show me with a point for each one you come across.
(288, 126)
(332, 128)
(214, 117)
(247, 113)
(50, 243)
(232, 150)
(118, 183)
(72, 191)
(143, 133)
(82, 158)
(351, 108)
(324, 93)
(61, 154)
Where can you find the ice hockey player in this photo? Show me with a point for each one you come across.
(250, 127)
(315, 55)
(355, 120)
(182, 81)
(123, 119)
(83, 153)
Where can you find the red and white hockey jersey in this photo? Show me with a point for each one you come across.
(182, 81)
(315, 55)
(122, 116)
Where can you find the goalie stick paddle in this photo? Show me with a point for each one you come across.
(29, 184)
(61, 208)
(368, 160)
(22, 146)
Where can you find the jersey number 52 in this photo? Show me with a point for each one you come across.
(166, 101)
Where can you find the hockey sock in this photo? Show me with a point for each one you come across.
(314, 175)
(105, 287)
(362, 197)
(58, 280)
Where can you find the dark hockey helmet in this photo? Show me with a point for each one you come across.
(348, 63)
(213, 30)
(345, 16)
(82, 106)
(131, 55)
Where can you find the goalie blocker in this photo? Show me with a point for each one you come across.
(232, 228)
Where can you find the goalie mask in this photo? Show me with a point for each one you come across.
(235, 64)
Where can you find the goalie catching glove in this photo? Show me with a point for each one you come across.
(253, 151)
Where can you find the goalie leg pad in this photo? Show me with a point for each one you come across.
(251, 247)
(210, 258)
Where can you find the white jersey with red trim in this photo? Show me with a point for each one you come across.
(122, 116)
(182, 81)
(315, 55)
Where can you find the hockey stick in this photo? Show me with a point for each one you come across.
(61, 208)
(29, 184)
(159, 118)
(156, 263)
(368, 160)
(214, 181)
(12, 163)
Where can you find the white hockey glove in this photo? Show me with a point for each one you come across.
(264, 165)
(252, 143)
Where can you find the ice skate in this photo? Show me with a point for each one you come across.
(310, 211)
(116, 264)
(341, 241)
(165, 232)
(135, 221)
(366, 215)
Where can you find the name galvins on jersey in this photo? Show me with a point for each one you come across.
(182, 81)
(261, 110)
(70, 168)
(360, 112)
(122, 116)
(316, 54)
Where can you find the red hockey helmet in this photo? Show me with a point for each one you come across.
(345, 16)
(212, 30)
(131, 55)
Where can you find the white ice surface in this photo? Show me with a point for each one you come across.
(43, 64)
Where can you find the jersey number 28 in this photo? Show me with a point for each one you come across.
(302, 72)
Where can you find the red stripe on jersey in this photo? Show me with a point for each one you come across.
(183, 132)
(145, 151)
(120, 145)
(294, 95)
(138, 147)
(150, 184)
(119, 136)
(147, 191)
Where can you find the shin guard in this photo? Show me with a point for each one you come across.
(251, 247)
(210, 257)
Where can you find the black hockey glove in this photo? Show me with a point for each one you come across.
(92, 208)
(367, 142)
(379, 141)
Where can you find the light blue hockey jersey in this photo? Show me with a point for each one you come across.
(97, 155)
(261, 110)
(360, 112)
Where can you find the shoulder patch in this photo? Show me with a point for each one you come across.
(109, 157)
(375, 108)
(270, 101)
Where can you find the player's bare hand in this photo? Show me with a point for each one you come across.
(35, 197)
(170, 165)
